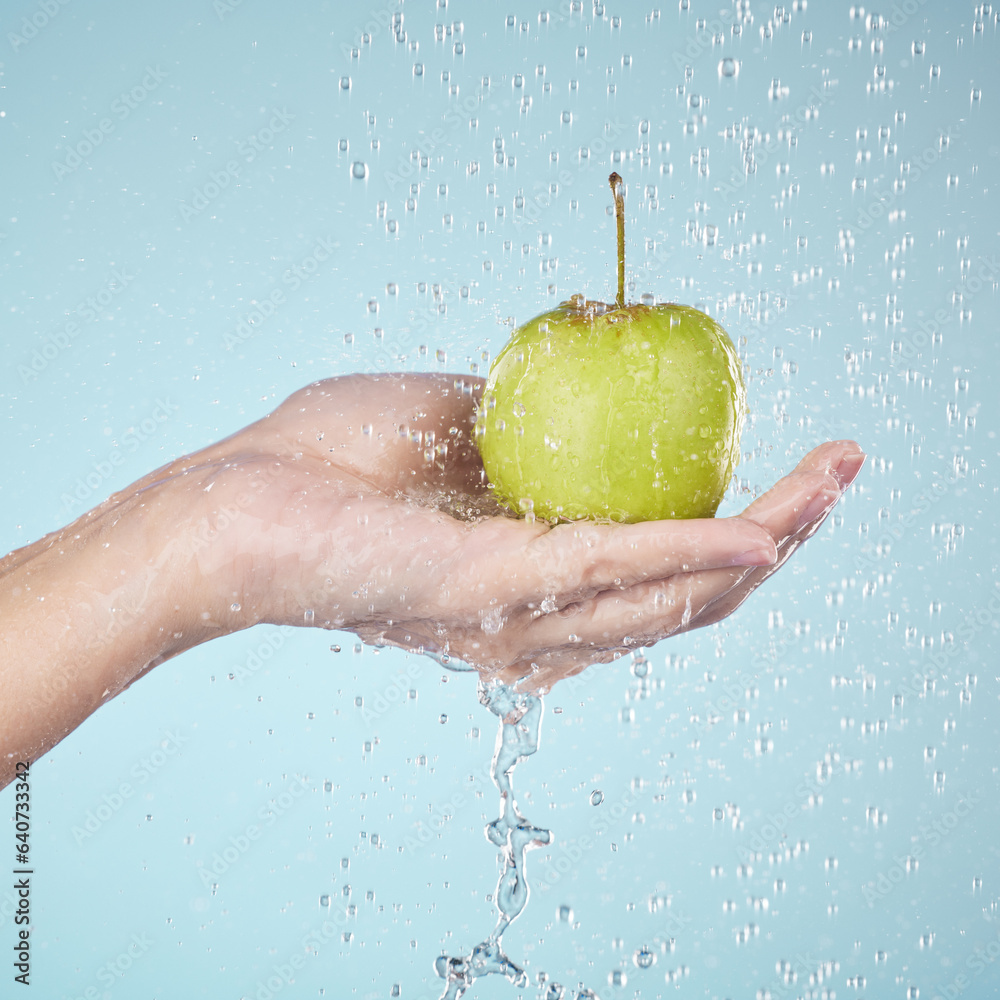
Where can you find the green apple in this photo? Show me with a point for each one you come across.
(614, 412)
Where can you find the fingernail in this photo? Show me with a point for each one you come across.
(848, 469)
(817, 507)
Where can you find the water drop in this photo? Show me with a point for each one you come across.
(729, 67)
(596, 797)
(359, 170)
(644, 958)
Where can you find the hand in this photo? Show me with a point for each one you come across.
(365, 507)
(360, 503)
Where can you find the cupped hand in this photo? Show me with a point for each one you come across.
(360, 503)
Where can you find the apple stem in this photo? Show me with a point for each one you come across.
(616, 187)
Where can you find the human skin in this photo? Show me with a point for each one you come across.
(360, 503)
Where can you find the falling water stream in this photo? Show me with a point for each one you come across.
(520, 717)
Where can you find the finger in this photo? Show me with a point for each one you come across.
(619, 619)
(578, 560)
(777, 511)
(793, 500)
(611, 623)
(802, 498)
(791, 512)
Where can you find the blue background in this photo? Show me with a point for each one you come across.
(833, 203)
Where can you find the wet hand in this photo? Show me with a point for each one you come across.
(364, 507)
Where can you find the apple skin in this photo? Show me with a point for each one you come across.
(621, 414)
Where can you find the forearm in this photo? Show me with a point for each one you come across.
(83, 613)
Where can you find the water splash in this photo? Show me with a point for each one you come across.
(520, 719)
